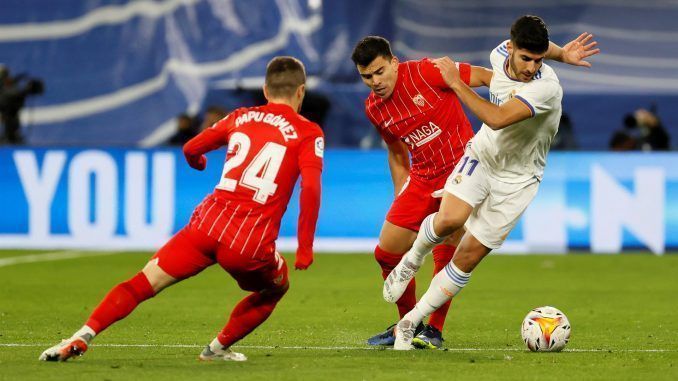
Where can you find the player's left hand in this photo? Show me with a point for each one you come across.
(576, 51)
(302, 264)
(448, 69)
(303, 260)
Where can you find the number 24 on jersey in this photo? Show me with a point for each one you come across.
(260, 173)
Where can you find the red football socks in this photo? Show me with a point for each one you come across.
(388, 261)
(248, 315)
(120, 302)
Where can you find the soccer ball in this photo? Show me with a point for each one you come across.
(546, 329)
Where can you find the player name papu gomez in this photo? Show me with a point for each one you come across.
(274, 120)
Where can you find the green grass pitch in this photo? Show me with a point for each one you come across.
(623, 310)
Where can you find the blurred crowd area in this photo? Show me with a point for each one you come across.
(641, 130)
(123, 77)
(14, 89)
(188, 126)
(638, 130)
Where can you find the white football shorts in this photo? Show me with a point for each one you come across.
(497, 205)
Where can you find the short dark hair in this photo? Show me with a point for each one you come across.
(284, 75)
(530, 33)
(369, 48)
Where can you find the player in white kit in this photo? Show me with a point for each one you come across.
(502, 167)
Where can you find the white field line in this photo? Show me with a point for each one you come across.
(53, 256)
(344, 348)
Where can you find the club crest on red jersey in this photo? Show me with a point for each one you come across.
(419, 100)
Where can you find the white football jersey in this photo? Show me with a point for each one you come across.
(518, 152)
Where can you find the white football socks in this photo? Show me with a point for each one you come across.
(86, 333)
(216, 346)
(446, 284)
(426, 240)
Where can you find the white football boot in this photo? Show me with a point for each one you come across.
(404, 333)
(397, 281)
(75, 346)
(223, 354)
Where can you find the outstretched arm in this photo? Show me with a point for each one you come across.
(495, 117)
(308, 216)
(480, 76)
(574, 52)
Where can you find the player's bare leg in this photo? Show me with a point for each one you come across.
(445, 285)
(396, 239)
(157, 277)
(436, 227)
(117, 304)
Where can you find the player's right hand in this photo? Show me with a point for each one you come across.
(448, 69)
(200, 163)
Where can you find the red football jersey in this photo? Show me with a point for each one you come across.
(268, 146)
(424, 113)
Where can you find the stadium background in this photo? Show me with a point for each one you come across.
(95, 180)
(118, 72)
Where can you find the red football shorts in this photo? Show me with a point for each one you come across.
(415, 202)
(191, 251)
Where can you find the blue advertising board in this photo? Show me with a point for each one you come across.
(136, 199)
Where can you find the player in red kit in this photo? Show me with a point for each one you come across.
(422, 122)
(236, 226)
(426, 131)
